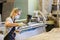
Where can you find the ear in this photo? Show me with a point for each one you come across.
(15, 11)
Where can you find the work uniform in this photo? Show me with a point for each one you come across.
(8, 29)
(10, 34)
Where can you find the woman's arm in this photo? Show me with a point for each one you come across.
(8, 24)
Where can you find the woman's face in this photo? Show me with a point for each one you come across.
(17, 15)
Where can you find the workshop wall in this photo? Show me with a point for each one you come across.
(27, 6)
(33, 5)
(22, 4)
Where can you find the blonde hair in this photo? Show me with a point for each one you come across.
(14, 11)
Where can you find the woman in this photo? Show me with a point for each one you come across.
(11, 24)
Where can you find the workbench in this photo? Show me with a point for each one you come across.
(30, 30)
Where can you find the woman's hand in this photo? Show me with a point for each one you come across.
(21, 24)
